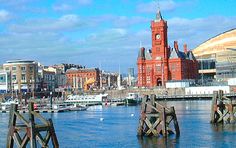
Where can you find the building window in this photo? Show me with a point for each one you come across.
(31, 68)
(7, 68)
(23, 77)
(158, 68)
(23, 68)
(2, 78)
(14, 68)
(13, 77)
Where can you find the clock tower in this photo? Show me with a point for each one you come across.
(160, 50)
(159, 38)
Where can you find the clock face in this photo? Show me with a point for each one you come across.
(158, 36)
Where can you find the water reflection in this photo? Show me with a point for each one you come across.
(223, 127)
(163, 142)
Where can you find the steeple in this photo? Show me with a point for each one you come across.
(158, 16)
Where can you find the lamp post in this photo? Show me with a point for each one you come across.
(32, 87)
(51, 100)
(25, 98)
(202, 69)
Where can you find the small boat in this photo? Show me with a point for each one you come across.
(113, 102)
(9, 102)
(132, 99)
(76, 107)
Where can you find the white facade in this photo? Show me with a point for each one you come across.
(5, 82)
(177, 84)
(232, 82)
(206, 90)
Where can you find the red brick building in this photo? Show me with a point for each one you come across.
(163, 63)
(77, 78)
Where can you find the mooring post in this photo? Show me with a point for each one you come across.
(153, 98)
(143, 115)
(214, 106)
(176, 125)
(164, 132)
(221, 106)
(52, 132)
(32, 125)
(11, 126)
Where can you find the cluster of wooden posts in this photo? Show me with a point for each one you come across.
(156, 119)
(223, 108)
(25, 132)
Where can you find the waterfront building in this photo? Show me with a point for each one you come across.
(60, 76)
(48, 80)
(163, 63)
(83, 78)
(217, 57)
(5, 81)
(109, 80)
(23, 75)
(65, 66)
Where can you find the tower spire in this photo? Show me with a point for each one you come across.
(158, 15)
(140, 44)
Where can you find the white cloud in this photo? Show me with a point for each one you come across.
(124, 21)
(62, 7)
(4, 15)
(195, 31)
(64, 23)
(151, 7)
(44, 47)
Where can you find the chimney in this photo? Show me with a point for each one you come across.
(185, 48)
(176, 45)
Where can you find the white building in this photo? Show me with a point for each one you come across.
(5, 82)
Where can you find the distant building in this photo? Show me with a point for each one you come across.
(163, 63)
(65, 66)
(217, 57)
(109, 80)
(48, 81)
(60, 76)
(81, 78)
(23, 74)
(131, 78)
(5, 81)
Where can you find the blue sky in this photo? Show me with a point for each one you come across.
(103, 32)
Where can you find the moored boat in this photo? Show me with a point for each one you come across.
(132, 99)
(86, 100)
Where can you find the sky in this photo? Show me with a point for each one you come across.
(104, 33)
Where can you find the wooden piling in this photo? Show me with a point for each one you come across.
(31, 131)
(222, 109)
(155, 119)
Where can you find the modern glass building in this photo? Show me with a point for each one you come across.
(217, 57)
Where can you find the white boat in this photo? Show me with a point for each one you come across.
(86, 100)
(6, 105)
(9, 102)
(76, 107)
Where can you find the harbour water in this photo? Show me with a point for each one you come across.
(117, 127)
